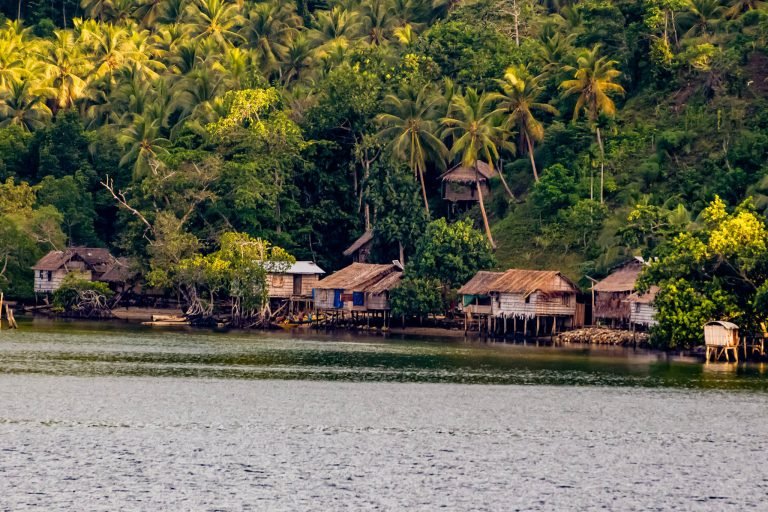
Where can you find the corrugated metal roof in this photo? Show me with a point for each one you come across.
(357, 277)
(463, 174)
(300, 267)
(480, 283)
(529, 281)
(728, 325)
(357, 244)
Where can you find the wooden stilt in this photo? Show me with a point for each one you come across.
(537, 325)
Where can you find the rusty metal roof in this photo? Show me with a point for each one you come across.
(480, 284)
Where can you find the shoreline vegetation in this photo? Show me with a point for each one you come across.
(210, 145)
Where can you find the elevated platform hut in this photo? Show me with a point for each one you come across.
(90, 263)
(358, 291)
(539, 302)
(610, 295)
(642, 312)
(476, 299)
(360, 250)
(293, 288)
(459, 185)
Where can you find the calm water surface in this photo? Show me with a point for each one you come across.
(107, 417)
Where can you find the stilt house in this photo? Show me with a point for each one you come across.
(360, 250)
(476, 294)
(296, 282)
(642, 312)
(459, 184)
(360, 287)
(611, 306)
(546, 298)
(90, 263)
(544, 295)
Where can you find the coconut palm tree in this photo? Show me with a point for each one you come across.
(477, 133)
(143, 145)
(298, 60)
(21, 107)
(592, 84)
(409, 121)
(65, 64)
(738, 7)
(11, 61)
(269, 30)
(700, 17)
(518, 101)
(148, 12)
(338, 26)
(99, 9)
(378, 21)
(215, 19)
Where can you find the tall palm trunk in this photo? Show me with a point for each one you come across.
(602, 164)
(504, 182)
(533, 159)
(424, 192)
(482, 210)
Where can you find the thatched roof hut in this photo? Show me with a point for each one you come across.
(358, 287)
(476, 293)
(460, 182)
(360, 250)
(611, 293)
(92, 263)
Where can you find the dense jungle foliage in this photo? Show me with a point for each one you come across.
(153, 127)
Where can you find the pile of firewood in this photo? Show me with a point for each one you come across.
(602, 336)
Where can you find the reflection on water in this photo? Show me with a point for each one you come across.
(71, 348)
(106, 417)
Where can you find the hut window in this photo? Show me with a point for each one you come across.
(566, 300)
(527, 299)
(42, 275)
(50, 275)
(637, 307)
(358, 299)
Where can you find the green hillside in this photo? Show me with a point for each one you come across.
(153, 127)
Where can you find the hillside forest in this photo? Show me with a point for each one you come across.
(158, 127)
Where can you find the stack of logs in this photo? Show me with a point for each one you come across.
(602, 336)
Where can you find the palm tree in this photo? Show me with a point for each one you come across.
(11, 60)
(378, 21)
(97, 8)
(409, 121)
(20, 107)
(335, 27)
(700, 16)
(299, 58)
(476, 132)
(215, 19)
(268, 31)
(66, 65)
(518, 101)
(143, 145)
(592, 83)
(738, 7)
(148, 12)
